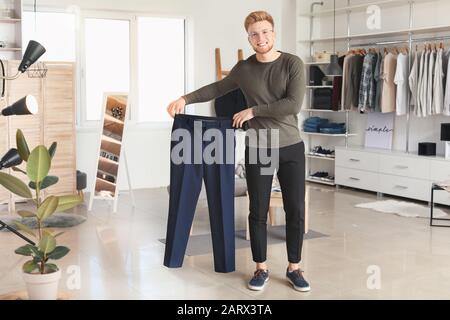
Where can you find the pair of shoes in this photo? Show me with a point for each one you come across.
(296, 279)
(322, 152)
(320, 174)
(260, 278)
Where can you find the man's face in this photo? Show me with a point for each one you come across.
(261, 36)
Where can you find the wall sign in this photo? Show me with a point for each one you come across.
(379, 130)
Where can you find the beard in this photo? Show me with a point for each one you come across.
(263, 50)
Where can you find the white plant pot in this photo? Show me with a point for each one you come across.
(42, 286)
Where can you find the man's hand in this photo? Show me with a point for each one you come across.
(176, 107)
(240, 117)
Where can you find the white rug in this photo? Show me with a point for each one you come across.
(403, 209)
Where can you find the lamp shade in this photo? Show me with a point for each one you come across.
(33, 52)
(333, 69)
(445, 132)
(10, 159)
(26, 105)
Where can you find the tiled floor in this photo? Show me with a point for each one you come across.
(118, 256)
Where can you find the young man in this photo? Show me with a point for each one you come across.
(273, 84)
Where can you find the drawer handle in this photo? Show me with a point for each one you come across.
(355, 160)
(355, 179)
(402, 167)
(401, 187)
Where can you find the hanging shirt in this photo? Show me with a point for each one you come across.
(379, 82)
(447, 88)
(430, 88)
(413, 81)
(388, 99)
(352, 82)
(438, 84)
(367, 89)
(423, 81)
(345, 79)
(401, 80)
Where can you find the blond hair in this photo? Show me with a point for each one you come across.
(257, 16)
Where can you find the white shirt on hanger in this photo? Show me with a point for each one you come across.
(438, 84)
(401, 80)
(413, 81)
(430, 85)
(423, 75)
(447, 89)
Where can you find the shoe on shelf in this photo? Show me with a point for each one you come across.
(297, 280)
(259, 280)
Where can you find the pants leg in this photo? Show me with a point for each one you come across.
(219, 183)
(185, 186)
(259, 188)
(291, 174)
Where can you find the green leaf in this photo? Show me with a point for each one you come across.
(47, 243)
(22, 146)
(51, 267)
(24, 250)
(18, 170)
(59, 234)
(38, 164)
(36, 253)
(47, 182)
(47, 207)
(52, 149)
(25, 229)
(30, 266)
(26, 214)
(15, 185)
(68, 202)
(58, 253)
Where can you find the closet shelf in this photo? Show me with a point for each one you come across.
(316, 180)
(106, 182)
(112, 119)
(361, 7)
(319, 87)
(111, 140)
(9, 20)
(316, 63)
(319, 157)
(343, 135)
(404, 32)
(106, 160)
(324, 110)
(10, 49)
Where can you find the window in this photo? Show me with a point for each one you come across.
(107, 61)
(54, 30)
(161, 69)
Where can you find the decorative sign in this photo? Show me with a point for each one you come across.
(379, 130)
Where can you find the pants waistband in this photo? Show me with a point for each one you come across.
(205, 121)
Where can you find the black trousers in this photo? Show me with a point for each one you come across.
(291, 174)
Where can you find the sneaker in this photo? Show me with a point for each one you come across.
(296, 279)
(259, 280)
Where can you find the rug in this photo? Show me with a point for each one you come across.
(202, 244)
(403, 209)
(57, 220)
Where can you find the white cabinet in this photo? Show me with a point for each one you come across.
(390, 172)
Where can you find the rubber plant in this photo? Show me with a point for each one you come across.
(38, 165)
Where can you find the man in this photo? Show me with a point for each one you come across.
(273, 83)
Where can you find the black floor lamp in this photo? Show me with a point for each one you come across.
(24, 106)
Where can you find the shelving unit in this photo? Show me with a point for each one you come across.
(11, 33)
(111, 140)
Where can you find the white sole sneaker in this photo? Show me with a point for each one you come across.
(257, 288)
(305, 289)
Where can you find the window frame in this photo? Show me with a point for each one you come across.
(132, 17)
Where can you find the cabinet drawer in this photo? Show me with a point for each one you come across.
(439, 171)
(357, 160)
(405, 187)
(356, 179)
(405, 166)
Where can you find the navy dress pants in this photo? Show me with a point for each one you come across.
(196, 141)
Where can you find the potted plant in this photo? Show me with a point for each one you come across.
(40, 274)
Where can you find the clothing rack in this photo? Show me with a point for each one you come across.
(408, 41)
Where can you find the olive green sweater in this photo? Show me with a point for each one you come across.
(275, 90)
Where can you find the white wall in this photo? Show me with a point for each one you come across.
(427, 14)
(215, 23)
